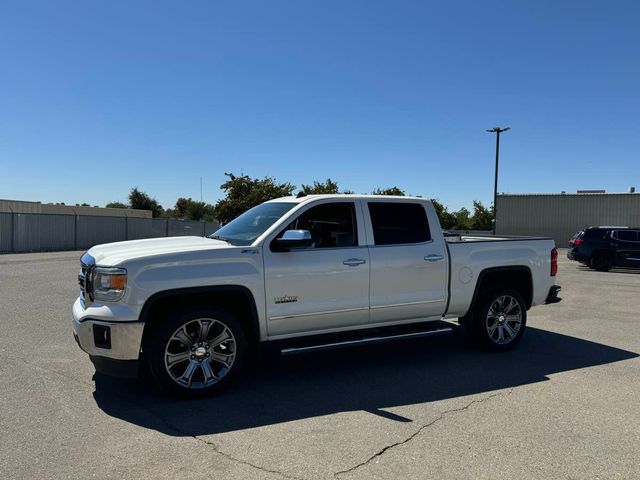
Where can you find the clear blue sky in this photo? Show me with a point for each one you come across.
(96, 97)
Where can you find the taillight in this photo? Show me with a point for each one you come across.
(576, 242)
(554, 262)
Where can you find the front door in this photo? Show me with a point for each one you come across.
(324, 286)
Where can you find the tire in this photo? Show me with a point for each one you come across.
(185, 362)
(499, 319)
(602, 262)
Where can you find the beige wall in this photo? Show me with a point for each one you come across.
(104, 212)
(559, 216)
(19, 206)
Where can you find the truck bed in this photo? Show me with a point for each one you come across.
(470, 255)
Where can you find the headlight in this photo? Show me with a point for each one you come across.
(109, 283)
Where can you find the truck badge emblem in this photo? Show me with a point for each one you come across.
(286, 299)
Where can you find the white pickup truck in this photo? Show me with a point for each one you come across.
(301, 273)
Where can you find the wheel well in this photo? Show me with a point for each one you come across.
(518, 278)
(236, 300)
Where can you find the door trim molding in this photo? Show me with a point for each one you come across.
(310, 314)
(422, 302)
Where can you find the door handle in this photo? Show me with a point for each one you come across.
(433, 257)
(354, 262)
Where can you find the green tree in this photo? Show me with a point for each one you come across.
(141, 201)
(243, 193)
(462, 219)
(447, 219)
(482, 217)
(389, 191)
(328, 186)
(116, 205)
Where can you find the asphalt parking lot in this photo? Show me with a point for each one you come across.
(564, 404)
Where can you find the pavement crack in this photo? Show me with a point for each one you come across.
(243, 462)
(439, 418)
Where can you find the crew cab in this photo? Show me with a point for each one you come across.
(301, 273)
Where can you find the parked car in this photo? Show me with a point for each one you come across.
(299, 274)
(603, 248)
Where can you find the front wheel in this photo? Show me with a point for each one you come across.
(499, 319)
(197, 352)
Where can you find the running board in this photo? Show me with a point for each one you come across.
(365, 341)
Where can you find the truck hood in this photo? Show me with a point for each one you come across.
(110, 254)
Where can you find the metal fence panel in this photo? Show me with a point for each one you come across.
(57, 232)
(179, 228)
(94, 230)
(139, 228)
(26, 232)
(210, 227)
(6, 232)
(32, 232)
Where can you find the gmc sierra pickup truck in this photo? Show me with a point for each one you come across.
(297, 274)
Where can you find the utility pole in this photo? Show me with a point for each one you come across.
(200, 189)
(497, 131)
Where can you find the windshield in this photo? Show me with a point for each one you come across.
(244, 229)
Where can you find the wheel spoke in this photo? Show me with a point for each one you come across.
(188, 373)
(173, 358)
(492, 328)
(510, 331)
(183, 337)
(220, 338)
(500, 334)
(208, 372)
(205, 325)
(224, 358)
(513, 318)
(507, 304)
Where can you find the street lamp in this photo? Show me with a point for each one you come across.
(497, 131)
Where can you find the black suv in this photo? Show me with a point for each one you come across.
(603, 248)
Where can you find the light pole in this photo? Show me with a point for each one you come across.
(497, 131)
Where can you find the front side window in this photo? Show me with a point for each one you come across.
(332, 225)
(398, 223)
(244, 229)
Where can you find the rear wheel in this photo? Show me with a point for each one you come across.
(603, 262)
(499, 319)
(197, 352)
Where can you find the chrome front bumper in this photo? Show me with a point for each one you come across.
(103, 337)
(124, 339)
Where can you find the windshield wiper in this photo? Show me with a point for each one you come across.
(218, 237)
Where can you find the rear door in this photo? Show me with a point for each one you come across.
(627, 247)
(408, 278)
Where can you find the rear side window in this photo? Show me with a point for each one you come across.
(625, 235)
(594, 234)
(398, 223)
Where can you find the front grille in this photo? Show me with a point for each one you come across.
(87, 263)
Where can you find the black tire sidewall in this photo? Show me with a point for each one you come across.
(165, 330)
(478, 327)
(605, 266)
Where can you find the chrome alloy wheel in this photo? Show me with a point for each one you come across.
(200, 353)
(504, 319)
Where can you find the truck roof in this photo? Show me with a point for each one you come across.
(303, 198)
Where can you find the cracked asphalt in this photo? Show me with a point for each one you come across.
(564, 404)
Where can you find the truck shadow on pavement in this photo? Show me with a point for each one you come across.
(367, 378)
